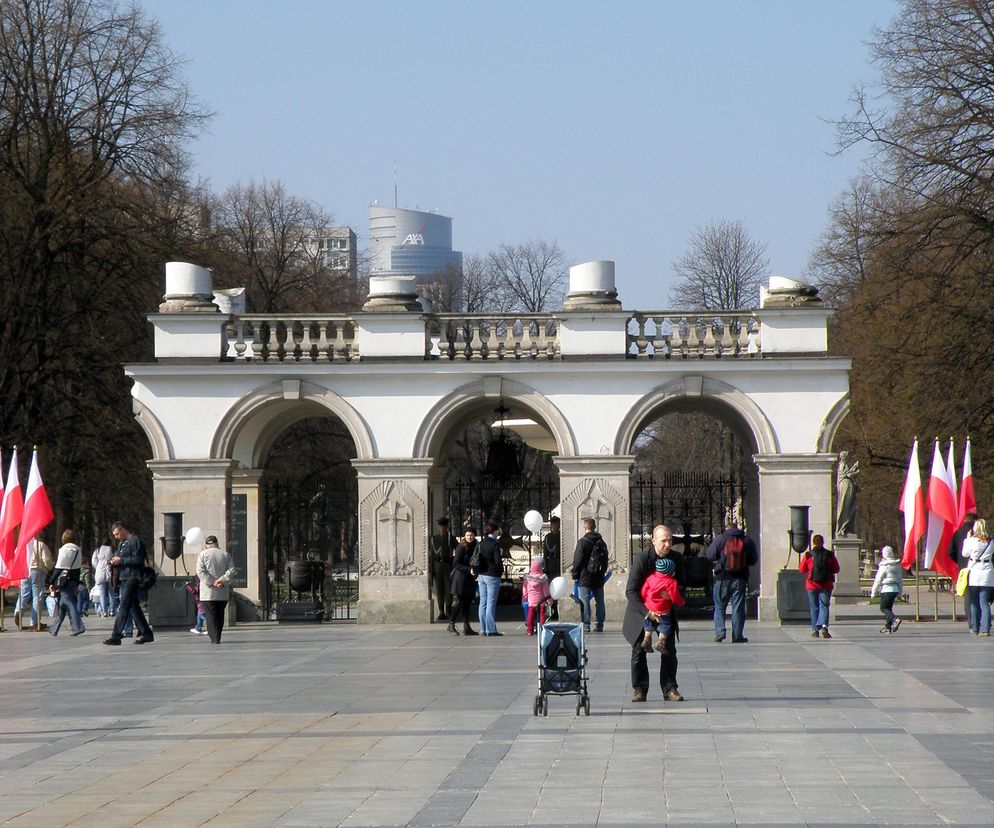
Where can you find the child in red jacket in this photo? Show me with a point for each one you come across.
(660, 593)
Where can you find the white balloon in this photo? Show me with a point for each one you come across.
(533, 521)
(559, 588)
(194, 536)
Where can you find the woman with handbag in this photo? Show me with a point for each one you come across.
(65, 583)
(977, 550)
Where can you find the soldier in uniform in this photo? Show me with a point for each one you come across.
(443, 545)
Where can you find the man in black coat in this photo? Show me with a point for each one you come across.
(643, 565)
(590, 584)
(551, 552)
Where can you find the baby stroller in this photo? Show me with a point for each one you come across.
(562, 666)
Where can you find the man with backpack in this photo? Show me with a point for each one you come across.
(732, 553)
(821, 567)
(590, 565)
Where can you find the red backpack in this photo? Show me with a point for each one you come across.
(734, 555)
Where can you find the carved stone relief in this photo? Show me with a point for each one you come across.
(393, 531)
(596, 498)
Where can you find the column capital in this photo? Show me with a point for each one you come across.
(814, 463)
(595, 465)
(394, 467)
(191, 469)
(246, 477)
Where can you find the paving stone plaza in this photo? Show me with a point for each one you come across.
(405, 725)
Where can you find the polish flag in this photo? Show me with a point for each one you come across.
(37, 515)
(914, 511)
(942, 516)
(951, 477)
(11, 509)
(967, 500)
(4, 580)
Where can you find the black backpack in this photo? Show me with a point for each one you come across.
(820, 569)
(597, 563)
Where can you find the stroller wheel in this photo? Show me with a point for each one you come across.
(537, 705)
(545, 706)
(586, 705)
(579, 704)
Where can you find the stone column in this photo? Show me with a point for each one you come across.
(393, 541)
(597, 486)
(787, 480)
(199, 490)
(245, 484)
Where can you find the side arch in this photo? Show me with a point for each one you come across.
(262, 414)
(688, 389)
(830, 425)
(434, 426)
(162, 448)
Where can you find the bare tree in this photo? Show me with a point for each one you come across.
(94, 116)
(273, 242)
(722, 269)
(532, 276)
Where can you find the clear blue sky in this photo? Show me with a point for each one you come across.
(612, 128)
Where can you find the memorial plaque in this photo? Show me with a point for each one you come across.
(238, 539)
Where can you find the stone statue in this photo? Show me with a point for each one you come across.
(845, 521)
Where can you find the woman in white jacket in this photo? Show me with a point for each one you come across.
(888, 585)
(100, 561)
(977, 551)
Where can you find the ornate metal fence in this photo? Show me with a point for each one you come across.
(695, 505)
(313, 520)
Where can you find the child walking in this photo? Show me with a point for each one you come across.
(888, 585)
(193, 587)
(536, 589)
(660, 593)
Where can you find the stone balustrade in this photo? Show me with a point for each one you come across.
(292, 338)
(460, 337)
(677, 334)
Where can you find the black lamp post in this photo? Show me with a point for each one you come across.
(172, 537)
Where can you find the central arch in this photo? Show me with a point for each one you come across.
(438, 422)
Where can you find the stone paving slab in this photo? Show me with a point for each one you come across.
(382, 725)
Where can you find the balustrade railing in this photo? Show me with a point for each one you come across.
(460, 337)
(292, 339)
(677, 334)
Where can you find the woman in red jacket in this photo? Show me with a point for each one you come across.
(821, 567)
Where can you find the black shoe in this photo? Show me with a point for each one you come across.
(78, 632)
(495, 633)
(470, 631)
(452, 630)
(112, 641)
(145, 639)
(719, 638)
(742, 640)
(53, 631)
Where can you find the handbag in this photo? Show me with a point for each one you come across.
(147, 578)
(962, 581)
(63, 580)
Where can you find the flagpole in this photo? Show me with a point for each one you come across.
(936, 618)
(3, 611)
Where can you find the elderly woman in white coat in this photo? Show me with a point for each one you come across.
(215, 570)
(977, 551)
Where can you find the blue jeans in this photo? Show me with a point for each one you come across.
(598, 595)
(489, 587)
(818, 601)
(32, 592)
(106, 605)
(980, 608)
(730, 590)
(67, 606)
(664, 626)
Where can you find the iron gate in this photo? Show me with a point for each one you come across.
(474, 502)
(313, 520)
(695, 505)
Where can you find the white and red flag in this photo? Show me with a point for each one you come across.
(914, 510)
(967, 499)
(37, 515)
(942, 516)
(951, 477)
(11, 509)
(4, 580)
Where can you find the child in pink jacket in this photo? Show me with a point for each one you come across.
(660, 593)
(536, 593)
